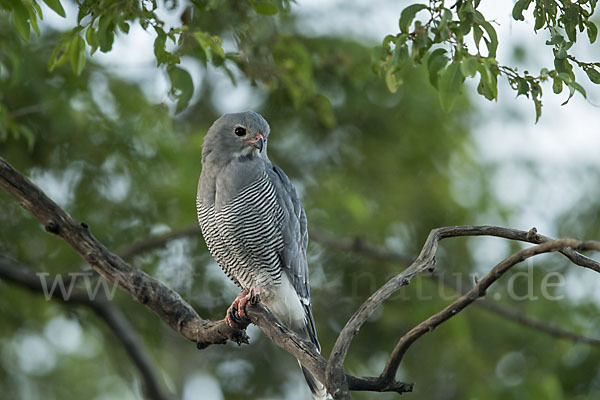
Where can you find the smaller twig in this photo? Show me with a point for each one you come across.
(476, 292)
(541, 326)
(154, 242)
(357, 246)
(31, 109)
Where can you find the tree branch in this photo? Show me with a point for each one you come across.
(476, 292)
(541, 326)
(162, 300)
(154, 242)
(358, 246)
(307, 354)
(425, 261)
(17, 273)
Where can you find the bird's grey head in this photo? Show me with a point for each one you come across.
(240, 135)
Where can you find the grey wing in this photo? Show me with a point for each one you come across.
(295, 235)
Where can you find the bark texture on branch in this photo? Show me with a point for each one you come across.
(165, 302)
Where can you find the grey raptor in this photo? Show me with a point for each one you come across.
(255, 226)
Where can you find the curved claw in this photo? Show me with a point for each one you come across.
(254, 297)
(236, 313)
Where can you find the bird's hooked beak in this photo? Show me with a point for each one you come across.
(258, 142)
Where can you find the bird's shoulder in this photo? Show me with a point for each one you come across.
(218, 187)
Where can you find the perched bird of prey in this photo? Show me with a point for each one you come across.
(255, 226)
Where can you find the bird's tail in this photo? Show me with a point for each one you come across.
(316, 388)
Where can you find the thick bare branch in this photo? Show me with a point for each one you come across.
(166, 303)
(24, 276)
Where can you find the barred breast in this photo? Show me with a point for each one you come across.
(245, 237)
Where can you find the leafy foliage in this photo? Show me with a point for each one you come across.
(420, 40)
(442, 39)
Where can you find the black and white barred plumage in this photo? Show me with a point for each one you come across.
(244, 240)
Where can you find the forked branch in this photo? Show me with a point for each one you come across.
(426, 261)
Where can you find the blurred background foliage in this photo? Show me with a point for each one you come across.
(369, 164)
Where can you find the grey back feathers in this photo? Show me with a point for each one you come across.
(253, 222)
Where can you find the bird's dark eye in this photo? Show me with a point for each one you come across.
(240, 131)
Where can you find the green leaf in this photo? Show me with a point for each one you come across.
(391, 81)
(593, 75)
(264, 7)
(20, 18)
(540, 18)
(210, 44)
(555, 38)
(557, 85)
(408, 15)
(520, 6)
(92, 40)
(574, 86)
(38, 9)
(436, 62)
(182, 86)
(570, 21)
(466, 14)
(592, 31)
(538, 108)
(106, 33)
(469, 65)
(77, 54)
(579, 88)
(124, 27)
(477, 35)
(561, 53)
(420, 44)
(564, 66)
(33, 20)
(56, 7)
(522, 86)
(488, 84)
(441, 32)
(160, 52)
(492, 44)
(400, 57)
(451, 80)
